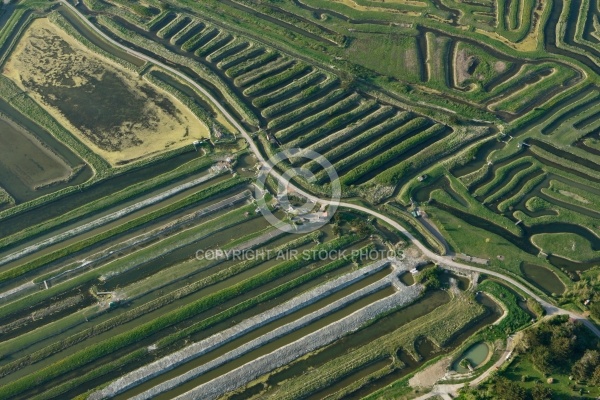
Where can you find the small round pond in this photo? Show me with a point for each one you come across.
(475, 355)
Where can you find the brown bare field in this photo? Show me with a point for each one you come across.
(115, 112)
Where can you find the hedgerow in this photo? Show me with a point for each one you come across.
(252, 63)
(382, 143)
(274, 80)
(303, 83)
(293, 130)
(234, 59)
(174, 27)
(298, 100)
(255, 75)
(236, 46)
(296, 114)
(331, 140)
(196, 40)
(392, 154)
(135, 335)
(222, 39)
(186, 33)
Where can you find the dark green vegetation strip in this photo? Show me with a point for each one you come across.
(106, 347)
(247, 304)
(105, 202)
(111, 367)
(517, 317)
(129, 225)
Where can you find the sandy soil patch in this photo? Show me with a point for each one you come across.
(499, 66)
(574, 196)
(462, 63)
(431, 375)
(114, 111)
(356, 6)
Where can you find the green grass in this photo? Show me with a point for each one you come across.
(567, 245)
(124, 227)
(502, 173)
(562, 215)
(96, 373)
(247, 304)
(465, 238)
(47, 331)
(297, 108)
(474, 206)
(272, 81)
(326, 136)
(390, 54)
(303, 125)
(488, 67)
(218, 42)
(394, 152)
(517, 318)
(515, 181)
(251, 64)
(573, 195)
(561, 386)
(507, 204)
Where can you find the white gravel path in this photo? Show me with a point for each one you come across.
(195, 350)
(286, 354)
(106, 219)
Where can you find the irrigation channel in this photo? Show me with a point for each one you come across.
(523, 241)
(108, 218)
(490, 50)
(279, 331)
(95, 240)
(443, 260)
(106, 187)
(296, 347)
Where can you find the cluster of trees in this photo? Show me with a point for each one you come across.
(587, 288)
(430, 278)
(505, 389)
(561, 346)
(557, 345)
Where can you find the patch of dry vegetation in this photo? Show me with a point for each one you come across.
(114, 112)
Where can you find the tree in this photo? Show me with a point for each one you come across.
(430, 278)
(595, 380)
(561, 348)
(530, 340)
(541, 392)
(585, 367)
(542, 359)
(507, 390)
(535, 306)
(595, 309)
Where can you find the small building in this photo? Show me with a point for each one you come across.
(421, 178)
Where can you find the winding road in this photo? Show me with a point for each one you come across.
(443, 260)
